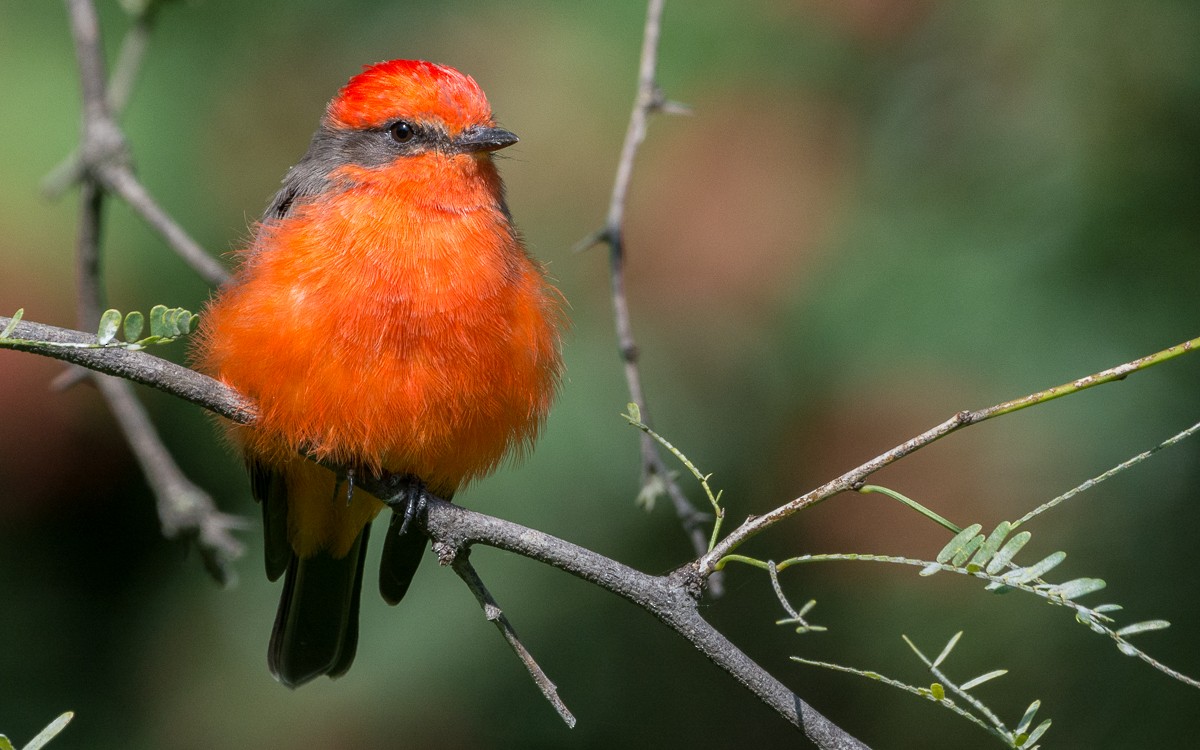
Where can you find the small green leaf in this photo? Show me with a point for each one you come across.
(635, 414)
(1007, 552)
(948, 648)
(158, 325)
(183, 323)
(939, 692)
(1142, 627)
(960, 540)
(1037, 570)
(5, 744)
(917, 651)
(8, 329)
(983, 678)
(171, 320)
(50, 732)
(1078, 587)
(967, 550)
(135, 323)
(994, 540)
(1093, 620)
(1036, 734)
(110, 323)
(1027, 719)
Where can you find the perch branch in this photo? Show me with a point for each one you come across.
(671, 598)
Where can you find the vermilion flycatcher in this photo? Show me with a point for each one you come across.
(385, 317)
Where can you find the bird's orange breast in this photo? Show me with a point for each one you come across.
(390, 329)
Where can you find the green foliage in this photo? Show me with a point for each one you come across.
(166, 325)
(990, 558)
(968, 705)
(655, 486)
(988, 566)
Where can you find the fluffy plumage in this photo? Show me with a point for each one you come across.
(385, 317)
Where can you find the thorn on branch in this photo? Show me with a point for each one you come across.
(671, 107)
(657, 102)
(598, 237)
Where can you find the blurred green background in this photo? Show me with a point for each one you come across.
(881, 212)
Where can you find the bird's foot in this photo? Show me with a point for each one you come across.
(408, 497)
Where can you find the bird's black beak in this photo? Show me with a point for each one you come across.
(480, 138)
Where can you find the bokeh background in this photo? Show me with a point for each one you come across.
(881, 212)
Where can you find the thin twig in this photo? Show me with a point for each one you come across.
(1128, 464)
(89, 294)
(184, 510)
(649, 99)
(491, 610)
(129, 59)
(120, 180)
(855, 477)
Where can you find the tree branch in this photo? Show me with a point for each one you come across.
(138, 366)
(855, 477)
(183, 508)
(673, 599)
(459, 560)
(119, 179)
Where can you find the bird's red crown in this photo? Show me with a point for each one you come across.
(409, 89)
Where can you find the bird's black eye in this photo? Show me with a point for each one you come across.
(401, 132)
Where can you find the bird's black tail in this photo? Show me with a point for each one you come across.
(316, 627)
(401, 555)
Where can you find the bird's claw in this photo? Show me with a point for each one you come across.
(409, 500)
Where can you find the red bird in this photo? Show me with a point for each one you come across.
(386, 318)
